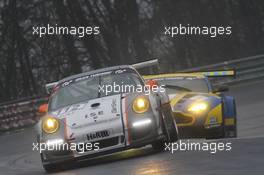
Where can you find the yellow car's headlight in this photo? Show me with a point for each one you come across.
(50, 125)
(198, 107)
(140, 105)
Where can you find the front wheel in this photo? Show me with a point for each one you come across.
(56, 167)
(231, 131)
(50, 168)
(230, 123)
(173, 133)
(215, 133)
(158, 145)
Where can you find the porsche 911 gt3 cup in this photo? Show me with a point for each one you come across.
(200, 110)
(81, 113)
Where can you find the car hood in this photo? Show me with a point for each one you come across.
(181, 101)
(90, 112)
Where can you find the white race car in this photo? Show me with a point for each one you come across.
(84, 119)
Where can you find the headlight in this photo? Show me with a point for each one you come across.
(50, 125)
(140, 105)
(198, 107)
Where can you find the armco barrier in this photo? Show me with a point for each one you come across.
(247, 69)
(18, 114)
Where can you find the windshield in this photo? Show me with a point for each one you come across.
(181, 84)
(87, 88)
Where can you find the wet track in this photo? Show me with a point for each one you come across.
(246, 156)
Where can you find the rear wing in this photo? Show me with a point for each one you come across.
(218, 73)
(50, 86)
(225, 76)
(216, 77)
(147, 67)
(154, 62)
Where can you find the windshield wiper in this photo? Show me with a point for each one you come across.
(177, 87)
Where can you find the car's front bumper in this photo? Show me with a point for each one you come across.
(138, 137)
(199, 131)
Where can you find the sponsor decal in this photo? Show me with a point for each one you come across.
(98, 134)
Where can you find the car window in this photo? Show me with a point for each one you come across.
(77, 92)
(88, 89)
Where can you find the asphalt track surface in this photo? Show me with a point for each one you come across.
(246, 156)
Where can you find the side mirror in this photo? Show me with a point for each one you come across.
(152, 83)
(221, 88)
(43, 108)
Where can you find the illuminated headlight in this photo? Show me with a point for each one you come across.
(54, 142)
(141, 123)
(140, 105)
(50, 125)
(198, 107)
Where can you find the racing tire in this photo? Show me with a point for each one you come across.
(170, 128)
(216, 133)
(56, 167)
(172, 136)
(173, 133)
(50, 167)
(158, 145)
(231, 132)
(235, 126)
(225, 131)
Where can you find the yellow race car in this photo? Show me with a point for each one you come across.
(200, 110)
